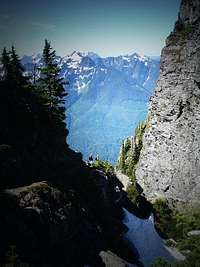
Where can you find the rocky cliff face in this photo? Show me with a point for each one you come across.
(169, 163)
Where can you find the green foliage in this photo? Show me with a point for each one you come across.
(170, 243)
(161, 207)
(132, 192)
(184, 222)
(191, 261)
(127, 145)
(139, 132)
(104, 166)
(12, 69)
(130, 169)
(6, 68)
(121, 162)
(163, 216)
(176, 225)
(28, 125)
(161, 262)
(129, 156)
(50, 82)
(17, 69)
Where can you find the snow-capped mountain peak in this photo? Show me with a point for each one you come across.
(106, 98)
(74, 60)
(76, 56)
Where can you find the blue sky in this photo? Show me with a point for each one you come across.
(107, 27)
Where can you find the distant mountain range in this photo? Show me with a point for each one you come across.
(107, 97)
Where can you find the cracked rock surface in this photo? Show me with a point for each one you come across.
(169, 164)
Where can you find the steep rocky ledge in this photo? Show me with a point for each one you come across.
(169, 163)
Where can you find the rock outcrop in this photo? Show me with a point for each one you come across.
(44, 225)
(169, 163)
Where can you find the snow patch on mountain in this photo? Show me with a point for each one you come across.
(106, 99)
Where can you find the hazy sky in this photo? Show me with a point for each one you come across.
(107, 27)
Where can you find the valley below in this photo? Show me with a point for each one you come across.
(99, 156)
(107, 98)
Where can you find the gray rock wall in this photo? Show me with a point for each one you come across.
(169, 164)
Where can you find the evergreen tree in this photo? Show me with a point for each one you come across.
(51, 83)
(27, 121)
(17, 69)
(122, 158)
(6, 68)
